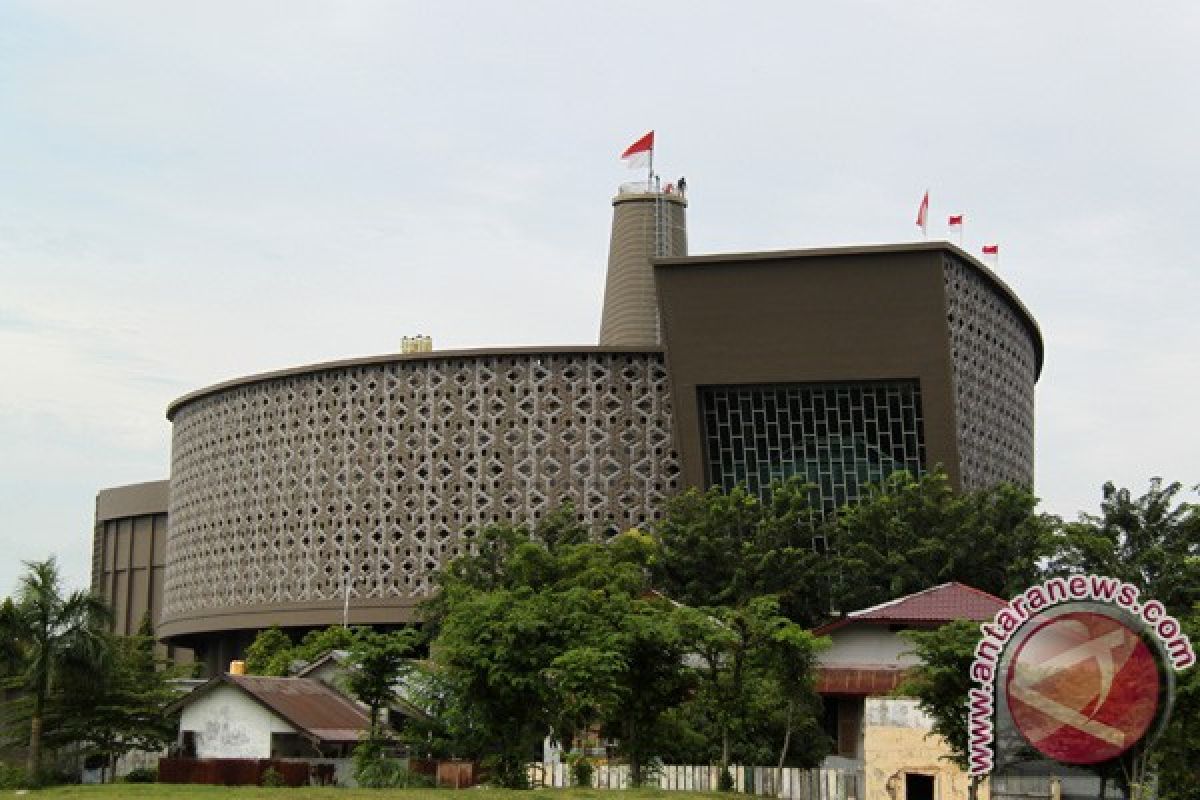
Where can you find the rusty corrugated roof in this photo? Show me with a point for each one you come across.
(312, 707)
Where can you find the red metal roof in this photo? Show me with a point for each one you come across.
(935, 606)
(859, 680)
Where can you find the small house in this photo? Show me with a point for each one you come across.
(886, 736)
(252, 717)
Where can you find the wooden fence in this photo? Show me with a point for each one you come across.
(235, 771)
(793, 784)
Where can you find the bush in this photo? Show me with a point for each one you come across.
(506, 771)
(142, 775)
(581, 771)
(271, 778)
(375, 769)
(725, 781)
(11, 777)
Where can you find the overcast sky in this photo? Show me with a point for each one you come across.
(194, 192)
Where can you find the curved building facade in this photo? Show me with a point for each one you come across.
(290, 490)
(300, 495)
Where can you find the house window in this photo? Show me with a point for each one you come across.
(290, 745)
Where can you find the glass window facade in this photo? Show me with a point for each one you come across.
(838, 436)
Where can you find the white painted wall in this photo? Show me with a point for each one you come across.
(896, 712)
(228, 723)
(858, 645)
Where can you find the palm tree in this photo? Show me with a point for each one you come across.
(58, 637)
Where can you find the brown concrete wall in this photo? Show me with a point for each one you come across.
(129, 547)
(801, 316)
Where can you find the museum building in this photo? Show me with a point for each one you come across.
(291, 490)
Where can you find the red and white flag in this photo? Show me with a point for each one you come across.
(638, 154)
(955, 222)
(923, 213)
(991, 249)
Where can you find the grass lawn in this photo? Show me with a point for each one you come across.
(164, 791)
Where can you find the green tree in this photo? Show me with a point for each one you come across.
(1152, 541)
(61, 638)
(756, 686)
(274, 653)
(941, 684)
(120, 709)
(908, 534)
(270, 653)
(1178, 751)
(724, 548)
(790, 658)
(377, 662)
(555, 632)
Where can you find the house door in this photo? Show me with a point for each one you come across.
(917, 786)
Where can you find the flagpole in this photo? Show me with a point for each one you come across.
(650, 173)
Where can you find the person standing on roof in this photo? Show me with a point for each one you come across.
(681, 185)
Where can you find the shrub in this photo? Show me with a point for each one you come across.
(142, 775)
(272, 778)
(506, 771)
(581, 771)
(11, 777)
(375, 769)
(725, 781)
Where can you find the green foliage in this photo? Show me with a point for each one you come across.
(272, 779)
(725, 548)
(942, 680)
(270, 653)
(374, 768)
(582, 771)
(377, 661)
(55, 641)
(12, 777)
(1152, 541)
(1177, 753)
(544, 630)
(725, 780)
(274, 653)
(755, 702)
(119, 709)
(908, 534)
(142, 775)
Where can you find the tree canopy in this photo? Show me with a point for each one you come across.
(55, 640)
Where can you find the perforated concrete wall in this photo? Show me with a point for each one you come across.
(995, 368)
(285, 489)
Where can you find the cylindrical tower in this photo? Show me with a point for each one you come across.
(646, 224)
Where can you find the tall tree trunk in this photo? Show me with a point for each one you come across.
(787, 740)
(635, 755)
(33, 764)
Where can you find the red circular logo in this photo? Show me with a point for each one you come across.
(1083, 688)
